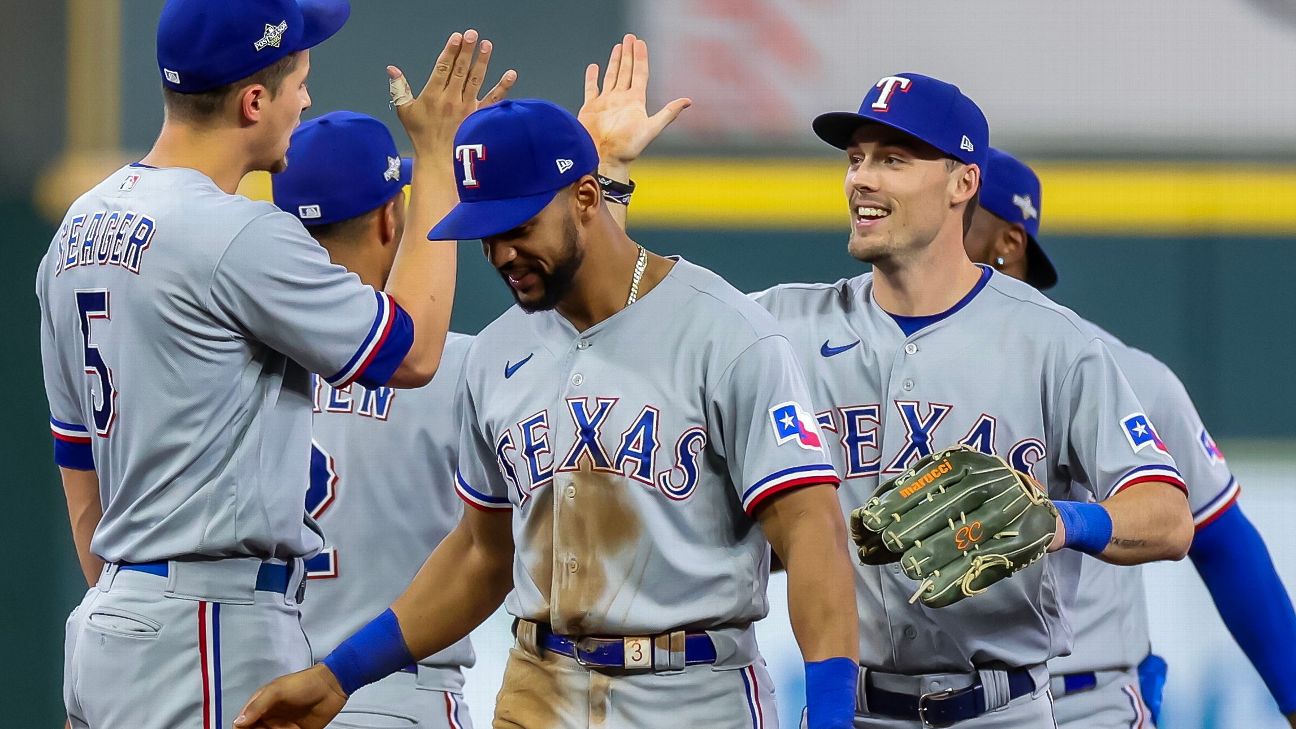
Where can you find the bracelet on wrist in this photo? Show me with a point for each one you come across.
(614, 191)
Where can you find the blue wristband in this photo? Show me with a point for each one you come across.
(1088, 526)
(830, 693)
(371, 653)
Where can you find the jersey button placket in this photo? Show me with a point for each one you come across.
(577, 379)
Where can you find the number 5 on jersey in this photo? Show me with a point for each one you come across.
(320, 495)
(93, 304)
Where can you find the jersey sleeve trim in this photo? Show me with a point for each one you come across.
(69, 432)
(816, 473)
(1218, 505)
(72, 447)
(383, 348)
(477, 499)
(1145, 474)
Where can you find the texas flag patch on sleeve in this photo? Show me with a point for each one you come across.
(1213, 451)
(791, 423)
(1141, 434)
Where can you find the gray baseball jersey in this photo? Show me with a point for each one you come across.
(178, 328)
(382, 488)
(633, 455)
(1005, 371)
(1110, 610)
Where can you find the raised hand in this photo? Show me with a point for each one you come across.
(451, 92)
(616, 115)
(304, 700)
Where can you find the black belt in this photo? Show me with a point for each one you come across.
(270, 577)
(946, 707)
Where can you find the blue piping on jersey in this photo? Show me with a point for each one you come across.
(911, 325)
(141, 164)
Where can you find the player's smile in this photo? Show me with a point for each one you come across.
(868, 213)
(521, 280)
(522, 276)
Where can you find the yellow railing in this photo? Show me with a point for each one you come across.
(1099, 198)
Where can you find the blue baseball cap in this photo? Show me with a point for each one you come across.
(340, 165)
(511, 159)
(1011, 191)
(203, 44)
(925, 108)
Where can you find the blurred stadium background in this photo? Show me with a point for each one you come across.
(1165, 133)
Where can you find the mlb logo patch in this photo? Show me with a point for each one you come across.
(791, 423)
(128, 184)
(1141, 434)
(1213, 451)
(308, 212)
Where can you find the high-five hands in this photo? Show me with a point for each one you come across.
(616, 115)
(451, 93)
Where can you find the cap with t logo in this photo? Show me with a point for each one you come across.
(511, 159)
(923, 107)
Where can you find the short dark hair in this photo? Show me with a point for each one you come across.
(204, 105)
(341, 230)
(344, 230)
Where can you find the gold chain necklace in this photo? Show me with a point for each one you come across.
(640, 265)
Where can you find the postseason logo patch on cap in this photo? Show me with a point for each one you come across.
(393, 169)
(1028, 210)
(273, 36)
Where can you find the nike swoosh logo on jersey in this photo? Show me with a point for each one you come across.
(830, 351)
(509, 369)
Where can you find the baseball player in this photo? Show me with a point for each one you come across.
(383, 461)
(634, 432)
(1098, 685)
(931, 351)
(179, 325)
